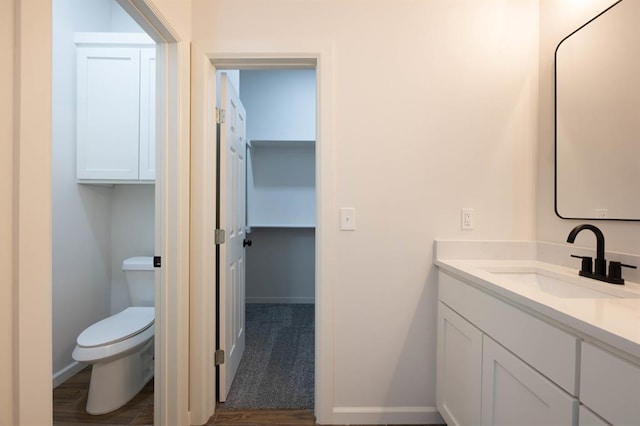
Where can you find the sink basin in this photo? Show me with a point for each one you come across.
(564, 288)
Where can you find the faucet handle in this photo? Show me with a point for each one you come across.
(587, 263)
(615, 271)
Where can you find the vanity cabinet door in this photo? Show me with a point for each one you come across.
(459, 368)
(610, 385)
(587, 418)
(515, 394)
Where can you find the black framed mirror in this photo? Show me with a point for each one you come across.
(597, 117)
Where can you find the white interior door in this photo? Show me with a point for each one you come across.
(232, 219)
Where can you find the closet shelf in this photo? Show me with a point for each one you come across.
(281, 225)
(261, 143)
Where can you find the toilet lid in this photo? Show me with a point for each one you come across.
(117, 327)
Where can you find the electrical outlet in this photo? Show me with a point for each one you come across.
(468, 219)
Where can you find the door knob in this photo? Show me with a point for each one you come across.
(246, 242)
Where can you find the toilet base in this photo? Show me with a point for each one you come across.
(116, 382)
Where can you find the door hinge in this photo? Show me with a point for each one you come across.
(157, 261)
(218, 357)
(220, 115)
(219, 236)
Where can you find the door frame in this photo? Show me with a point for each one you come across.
(207, 58)
(32, 286)
(171, 367)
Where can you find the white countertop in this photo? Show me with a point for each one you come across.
(612, 320)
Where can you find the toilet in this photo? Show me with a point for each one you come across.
(120, 347)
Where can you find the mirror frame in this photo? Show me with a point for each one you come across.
(555, 123)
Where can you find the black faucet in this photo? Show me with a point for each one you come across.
(615, 275)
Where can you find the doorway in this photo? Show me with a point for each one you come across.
(275, 317)
(103, 170)
(208, 57)
(98, 221)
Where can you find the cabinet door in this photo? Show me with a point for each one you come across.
(610, 385)
(147, 114)
(515, 394)
(459, 368)
(108, 113)
(587, 418)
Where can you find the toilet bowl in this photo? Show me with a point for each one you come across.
(121, 350)
(120, 347)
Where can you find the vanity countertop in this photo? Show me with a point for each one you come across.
(612, 320)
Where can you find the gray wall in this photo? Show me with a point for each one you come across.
(281, 266)
(281, 106)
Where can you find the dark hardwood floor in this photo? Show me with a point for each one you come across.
(262, 417)
(70, 399)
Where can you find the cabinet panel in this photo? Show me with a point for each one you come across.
(609, 385)
(547, 348)
(147, 150)
(587, 418)
(108, 108)
(515, 394)
(459, 368)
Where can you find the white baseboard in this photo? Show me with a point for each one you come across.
(386, 415)
(66, 373)
(306, 300)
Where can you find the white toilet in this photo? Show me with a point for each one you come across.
(120, 347)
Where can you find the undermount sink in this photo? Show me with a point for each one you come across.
(560, 287)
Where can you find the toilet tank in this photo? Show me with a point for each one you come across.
(140, 276)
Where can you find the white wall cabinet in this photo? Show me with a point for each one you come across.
(115, 108)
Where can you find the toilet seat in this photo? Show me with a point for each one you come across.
(115, 335)
(117, 327)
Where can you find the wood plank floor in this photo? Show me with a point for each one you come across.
(70, 399)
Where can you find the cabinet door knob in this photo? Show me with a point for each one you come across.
(246, 242)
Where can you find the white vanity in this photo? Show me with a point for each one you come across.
(522, 340)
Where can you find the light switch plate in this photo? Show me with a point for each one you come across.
(347, 219)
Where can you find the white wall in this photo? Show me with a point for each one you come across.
(435, 107)
(177, 15)
(557, 20)
(132, 234)
(121, 21)
(7, 225)
(82, 214)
